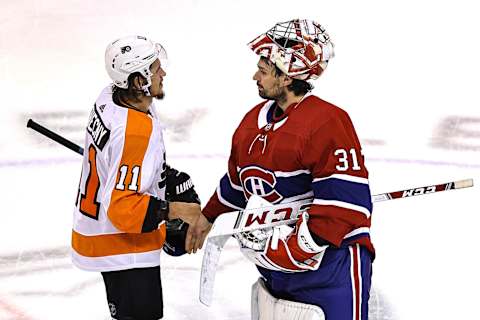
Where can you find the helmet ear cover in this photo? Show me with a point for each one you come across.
(300, 48)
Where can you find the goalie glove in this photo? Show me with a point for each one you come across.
(284, 249)
(179, 187)
(255, 240)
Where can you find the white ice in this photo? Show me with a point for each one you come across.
(402, 68)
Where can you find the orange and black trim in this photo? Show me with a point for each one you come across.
(120, 243)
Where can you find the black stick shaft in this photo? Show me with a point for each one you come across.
(52, 135)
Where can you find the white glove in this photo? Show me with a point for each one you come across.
(283, 248)
(255, 240)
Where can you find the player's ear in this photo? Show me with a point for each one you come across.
(138, 82)
(286, 80)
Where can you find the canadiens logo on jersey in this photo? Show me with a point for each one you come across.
(260, 182)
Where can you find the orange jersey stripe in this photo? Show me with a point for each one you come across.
(119, 243)
(128, 208)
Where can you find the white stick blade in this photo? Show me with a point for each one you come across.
(223, 222)
(211, 256)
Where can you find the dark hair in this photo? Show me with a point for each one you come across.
(298, 87)
(131, 93)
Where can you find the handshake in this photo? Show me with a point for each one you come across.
(184, 209)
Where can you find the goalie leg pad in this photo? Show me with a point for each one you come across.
(267, 307)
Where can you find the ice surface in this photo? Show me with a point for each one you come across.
(406, 71)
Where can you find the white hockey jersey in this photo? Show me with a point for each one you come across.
(123, 176)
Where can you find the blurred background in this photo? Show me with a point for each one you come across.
(407, 72)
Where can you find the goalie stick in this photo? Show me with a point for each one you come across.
(255, 218)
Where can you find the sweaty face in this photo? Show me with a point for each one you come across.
(156, 89)
(269, 84)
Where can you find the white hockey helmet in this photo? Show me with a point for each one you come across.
(131, 54)
(300, 48)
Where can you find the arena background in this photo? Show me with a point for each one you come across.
(406, 71)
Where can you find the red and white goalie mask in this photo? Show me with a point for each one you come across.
(300, 48)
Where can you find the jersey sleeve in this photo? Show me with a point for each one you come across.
(229, 194)
(342, 202)
(131, 174)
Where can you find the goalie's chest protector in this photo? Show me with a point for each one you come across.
(271, 153)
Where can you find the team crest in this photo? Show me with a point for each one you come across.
(260, 182)
(125, 49)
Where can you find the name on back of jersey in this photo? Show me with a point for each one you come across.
(97, 130)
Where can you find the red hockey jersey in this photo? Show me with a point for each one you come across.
(310, 151)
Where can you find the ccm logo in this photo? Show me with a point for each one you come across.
(417, 191)
(268, 216)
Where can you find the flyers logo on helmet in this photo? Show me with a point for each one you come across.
(260, 182)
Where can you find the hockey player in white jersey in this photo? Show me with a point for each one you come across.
(120, 212)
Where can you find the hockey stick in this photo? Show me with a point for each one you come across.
(286, 213)
(249, 219)
(270, 216)
(52, 135)
(256, 216)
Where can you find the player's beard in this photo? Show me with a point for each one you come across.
(160, 96)
(275, 93)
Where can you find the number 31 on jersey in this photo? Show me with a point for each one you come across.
(347, 159)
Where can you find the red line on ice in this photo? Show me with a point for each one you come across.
(13, 310)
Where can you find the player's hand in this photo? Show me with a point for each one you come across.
(197, 233)
(188, 212)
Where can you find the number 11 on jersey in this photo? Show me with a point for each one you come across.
(88, 201)
(89, 205)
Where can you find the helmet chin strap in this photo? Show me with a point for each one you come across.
(146, 87)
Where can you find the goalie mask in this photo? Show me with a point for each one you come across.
(300, 48)
(131, 54)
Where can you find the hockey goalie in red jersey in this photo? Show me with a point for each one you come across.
(295, 146)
